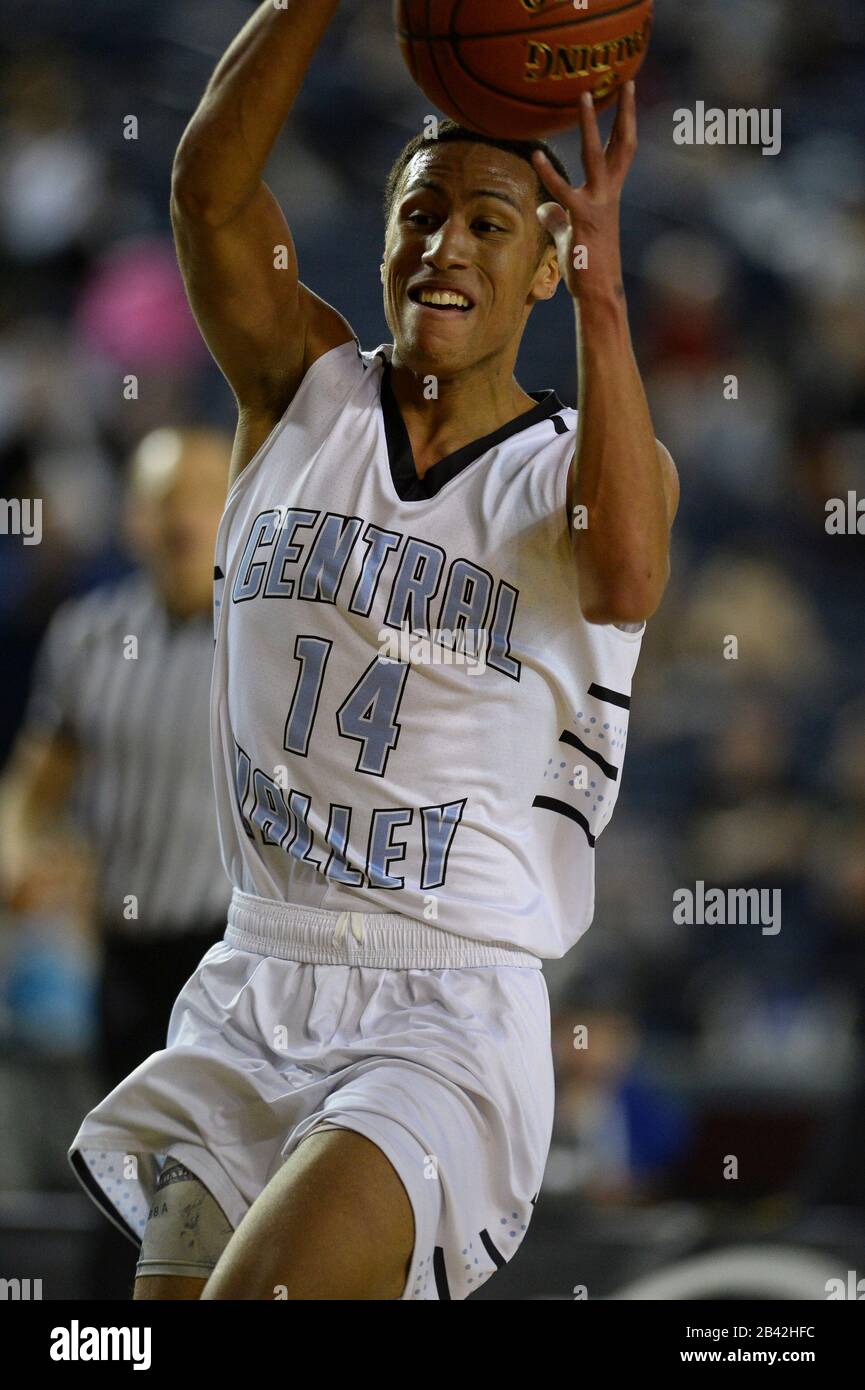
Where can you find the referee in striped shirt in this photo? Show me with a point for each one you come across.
(115, 741)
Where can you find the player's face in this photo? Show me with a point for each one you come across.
(465, 217)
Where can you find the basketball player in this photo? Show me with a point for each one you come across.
(356, 1099)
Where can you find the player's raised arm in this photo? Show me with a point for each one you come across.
(264, 328)
(622, 477)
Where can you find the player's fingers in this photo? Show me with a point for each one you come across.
(617, 132)
(559, 188)
(594, 162)
(622, 144)
(550, 176)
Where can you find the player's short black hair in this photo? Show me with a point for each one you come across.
(448, 133)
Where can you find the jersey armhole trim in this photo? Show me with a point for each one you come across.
(264, 447)
(628, 636)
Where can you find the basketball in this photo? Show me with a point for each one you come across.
(516, 69)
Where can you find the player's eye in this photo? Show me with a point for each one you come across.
(492, 226)
(413, 216)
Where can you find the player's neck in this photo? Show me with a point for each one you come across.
(467, 407)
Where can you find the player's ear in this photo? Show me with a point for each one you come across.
(547, 275)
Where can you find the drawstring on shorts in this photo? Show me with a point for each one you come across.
(354, 920)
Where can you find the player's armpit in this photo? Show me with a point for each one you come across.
(262, 410)
(263, 327)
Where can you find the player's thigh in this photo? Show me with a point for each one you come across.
(334, 1223)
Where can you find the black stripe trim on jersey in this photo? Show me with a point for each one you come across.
(441, 1278)
(607, 768)
(560, 426)
(612, 697)
(408, 486)
(95, 1191)
(495, 1255)
(552, 803)
(217, 572)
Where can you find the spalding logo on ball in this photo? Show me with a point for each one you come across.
(516, 68)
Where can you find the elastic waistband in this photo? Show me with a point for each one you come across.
(379, 939)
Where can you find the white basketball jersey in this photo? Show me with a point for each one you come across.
(409, 712)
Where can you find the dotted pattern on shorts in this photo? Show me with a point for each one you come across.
(477, 1276)
(125, 1194)
(422, 1277)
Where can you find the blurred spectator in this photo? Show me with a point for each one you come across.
(616, 1133)
(102, 804)
(52, 175)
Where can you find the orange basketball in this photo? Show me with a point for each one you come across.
(516, 68)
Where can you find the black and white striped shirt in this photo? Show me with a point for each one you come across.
(130, 685)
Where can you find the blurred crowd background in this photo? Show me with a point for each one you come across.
(706, 1041)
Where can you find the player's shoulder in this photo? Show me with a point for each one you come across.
(567, 416)
(328, 337)
(329, 347)
(336, 375)
(551, 435)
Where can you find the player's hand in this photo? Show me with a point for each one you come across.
(589, 216)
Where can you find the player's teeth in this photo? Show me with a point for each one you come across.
(441, 298)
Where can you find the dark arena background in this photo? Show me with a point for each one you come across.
(709, 1143)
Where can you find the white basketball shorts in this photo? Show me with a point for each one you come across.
(434, 1047)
